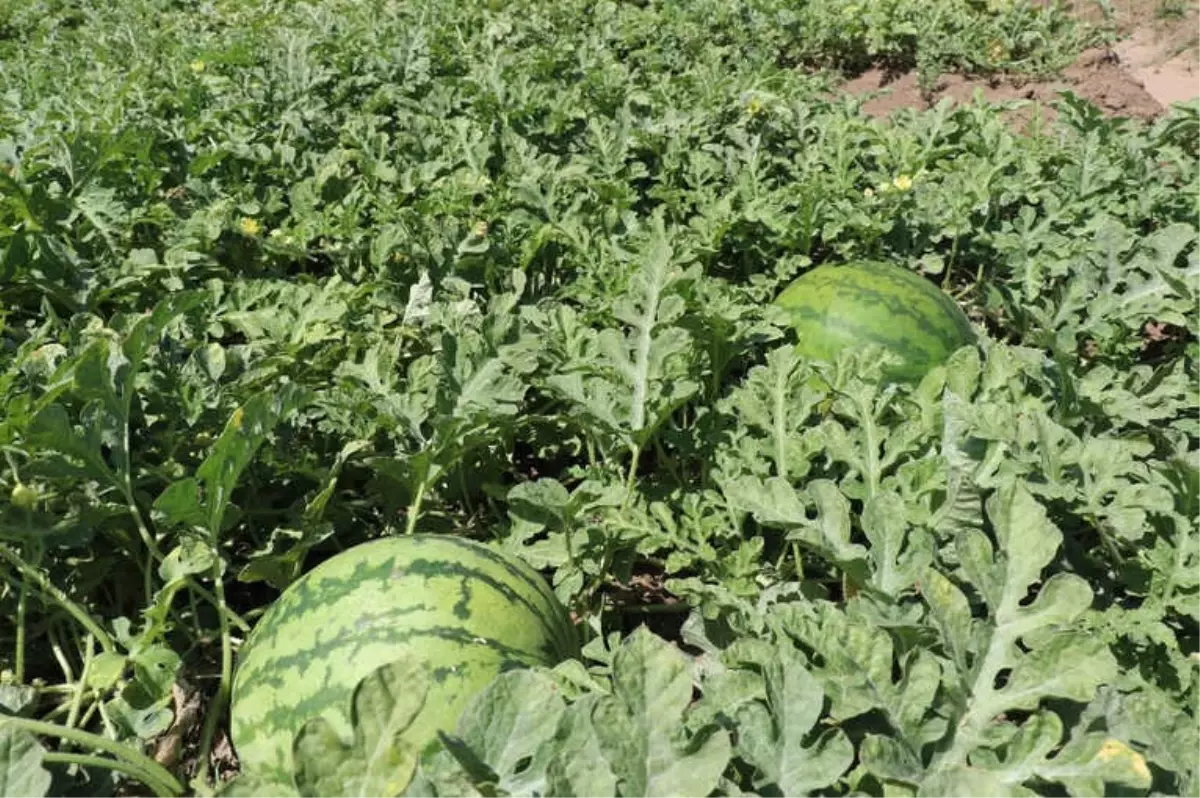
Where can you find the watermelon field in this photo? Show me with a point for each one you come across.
(590, 398)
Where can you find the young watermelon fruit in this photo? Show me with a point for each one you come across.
(835, 307)
(466, 610)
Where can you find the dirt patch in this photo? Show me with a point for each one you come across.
(1097, 76)
(1167, 78)
(1153, 63)
(1160, 46)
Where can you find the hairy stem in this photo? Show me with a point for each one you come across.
(77, 699)
(156, 772)
(221, 699)
(631, 478)
(77, 612)
(414, 510)
(151, 780)
(22, 610)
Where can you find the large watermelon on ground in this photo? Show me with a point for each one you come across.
(835, 307)
(468, 610)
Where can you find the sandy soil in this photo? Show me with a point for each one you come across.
(1153, 63)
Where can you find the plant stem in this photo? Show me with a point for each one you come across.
(779, 425)
(950, 266)
(161, 789)
(51, 689)
(56, 647)
(977, 712)
(22, 608)
(221, 699)
(148, 766)
(631, 478)
(58, 710)
(221, 607)
(93, 707)
(44, 584)
(414, 510)
(143, 530)
(77, 700)
(155, 553)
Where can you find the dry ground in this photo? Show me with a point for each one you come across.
(1153, 62)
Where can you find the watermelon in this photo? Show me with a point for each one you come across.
(835, 307)
(466, 610)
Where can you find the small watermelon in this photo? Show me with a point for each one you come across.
(835, 307)
(469, 611)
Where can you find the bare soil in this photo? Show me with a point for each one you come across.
(1153, 63)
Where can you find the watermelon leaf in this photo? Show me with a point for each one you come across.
(280, 561)
(378, 762)
(246, 430)
(962, 508)
(1061, 662)
(249, 785)
(518, 737)
(898, 552)
(463, 395)
(1083, 765)
(640, 726)
(203, 500)
(857, 667)
(773, 408)
(103, 376)
(578, 766)
(21, 771)
(1167, 735)
(773, 736)
(775, 503)
(632, 377)
(507, 726)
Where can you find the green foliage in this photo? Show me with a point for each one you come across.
(21, 770)
(277, 278)
(378, 762)
(521, 737)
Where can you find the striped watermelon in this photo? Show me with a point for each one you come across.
(834, 307)
(470, 611)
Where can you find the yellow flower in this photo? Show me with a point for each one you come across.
(755, 106)
(250, 227)
(902, 182)
(868, 192)
(198, 66)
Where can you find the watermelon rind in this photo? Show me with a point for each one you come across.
(836, 307)
(465, 609)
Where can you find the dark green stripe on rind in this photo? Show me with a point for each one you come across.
(306, 595)
(452, 687)
(467, 609)
(835, 307)
(316, 585)
(316, 703)
(275, 671)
